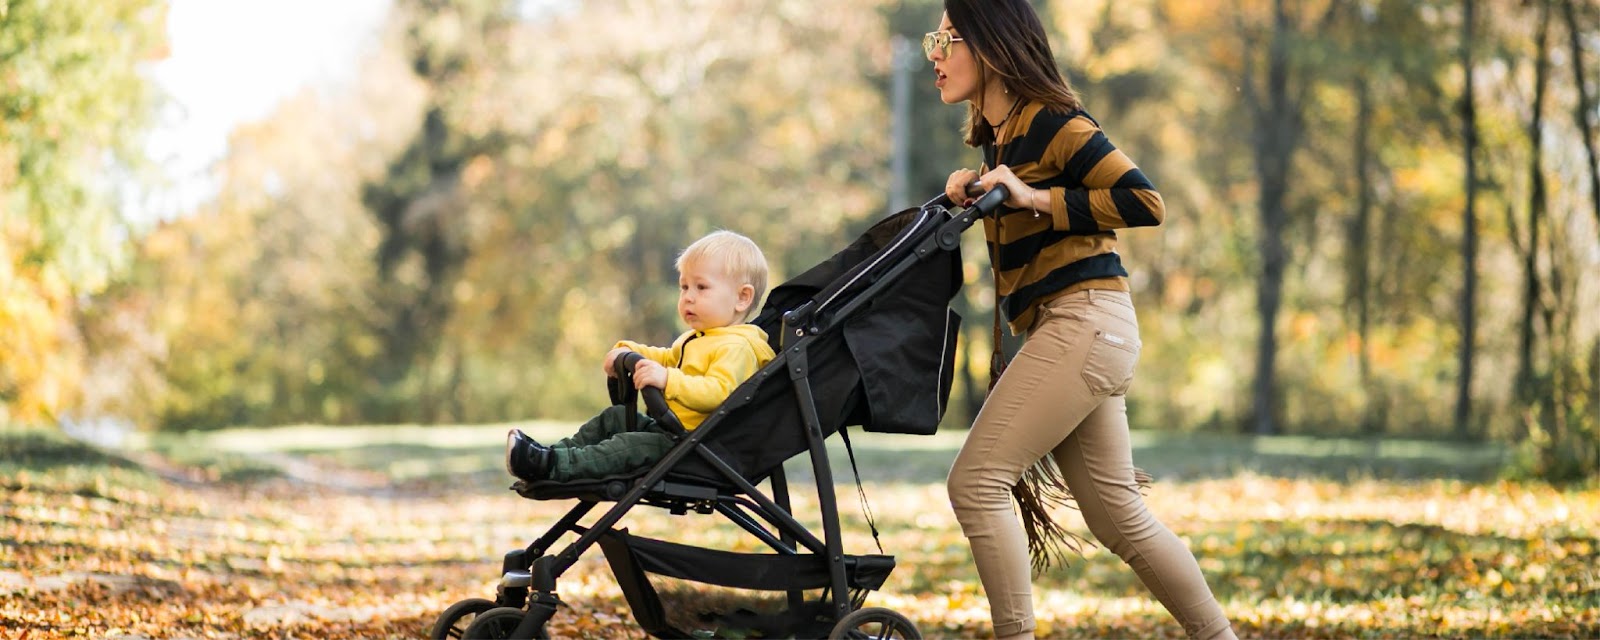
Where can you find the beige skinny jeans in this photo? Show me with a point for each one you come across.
(1063, 395)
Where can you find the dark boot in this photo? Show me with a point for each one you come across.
(526, 458)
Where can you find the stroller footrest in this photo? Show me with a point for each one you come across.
(608, 489)
(612, 488)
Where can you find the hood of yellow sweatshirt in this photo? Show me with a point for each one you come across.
(751, 333)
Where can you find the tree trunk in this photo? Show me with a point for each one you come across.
(419, 259)
(1594, 389)
(1360, 250)
(1275, 138)
(1469, 234)
(1536, 209)
(1585, 108)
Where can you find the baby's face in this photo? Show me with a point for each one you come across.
(709, 297)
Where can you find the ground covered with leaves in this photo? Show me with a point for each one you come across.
(292, 534)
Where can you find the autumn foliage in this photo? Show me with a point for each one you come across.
(339, 544)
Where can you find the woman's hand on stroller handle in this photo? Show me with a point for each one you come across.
(962, 186)
(986, 203)
(974, 189)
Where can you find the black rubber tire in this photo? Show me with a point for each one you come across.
(495, 624)
(874, 623)
(453, 623)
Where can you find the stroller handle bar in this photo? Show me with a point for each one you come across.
(986, 204)
(655, 402)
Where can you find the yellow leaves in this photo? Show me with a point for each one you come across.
(1492, 578)
(1288, 558)
(959, 601)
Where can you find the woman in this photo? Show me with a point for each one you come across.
(1060, 281)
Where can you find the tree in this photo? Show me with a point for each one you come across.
(1276, 107)
(1537, 201)
(72, 114)
(1584, 114)
(1583, 111)
(421, 205)
(257, 306)
(1469, 226)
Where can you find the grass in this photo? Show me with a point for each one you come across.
(368, 532)
(413, 452)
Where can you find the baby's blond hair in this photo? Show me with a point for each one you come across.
(738, 256)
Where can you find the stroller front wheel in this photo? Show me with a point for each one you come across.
(874, 623)
(453, 623)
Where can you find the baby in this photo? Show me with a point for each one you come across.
(720, 278)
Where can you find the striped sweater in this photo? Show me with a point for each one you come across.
(1094, 188)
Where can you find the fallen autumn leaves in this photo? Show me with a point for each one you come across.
(110, 551)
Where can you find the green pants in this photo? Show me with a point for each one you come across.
(603, 446)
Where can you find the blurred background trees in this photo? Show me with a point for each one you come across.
(1383, 214)
(73, 108)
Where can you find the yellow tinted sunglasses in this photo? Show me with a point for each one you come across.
(939, 40)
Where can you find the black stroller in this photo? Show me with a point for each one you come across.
(864, 338)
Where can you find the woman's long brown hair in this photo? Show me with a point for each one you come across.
(1007, 38)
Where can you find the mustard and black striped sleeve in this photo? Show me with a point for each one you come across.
(1114, 193)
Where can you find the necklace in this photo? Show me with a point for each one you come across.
(1009, 112)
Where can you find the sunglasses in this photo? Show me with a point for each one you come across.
(939, 40)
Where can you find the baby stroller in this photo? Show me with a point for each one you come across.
(864, 338)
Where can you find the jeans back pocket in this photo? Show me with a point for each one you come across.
(1108, 369)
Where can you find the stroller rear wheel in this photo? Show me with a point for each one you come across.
(874, 623)
(453, 623)
(498, 624)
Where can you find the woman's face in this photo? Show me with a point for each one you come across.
(955, 68)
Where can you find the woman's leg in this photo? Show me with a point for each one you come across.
(1097, 462)
(1032, 409)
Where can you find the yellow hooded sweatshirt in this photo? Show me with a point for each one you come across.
(704, 367)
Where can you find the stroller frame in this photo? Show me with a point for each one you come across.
(527, 589)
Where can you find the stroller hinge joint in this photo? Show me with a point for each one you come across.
(797, 364)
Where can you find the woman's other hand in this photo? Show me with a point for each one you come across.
(1018, 194)
(956, 187)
